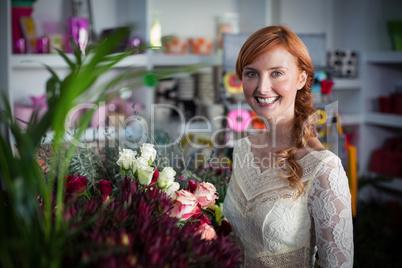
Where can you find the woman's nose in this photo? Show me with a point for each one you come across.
(264, 84)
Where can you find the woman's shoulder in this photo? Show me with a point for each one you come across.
(316, 158)
(313, 145)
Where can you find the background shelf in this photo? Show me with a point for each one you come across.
(380, 119)
(384, 57)
(347, 83)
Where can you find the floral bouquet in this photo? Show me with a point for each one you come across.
(149, 222)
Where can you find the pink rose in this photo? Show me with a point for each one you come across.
(205, 194)
(105, 188)
(207, 231)
(185, 205)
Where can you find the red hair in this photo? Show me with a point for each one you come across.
(268, 39)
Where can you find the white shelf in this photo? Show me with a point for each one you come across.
(37, 61)
(185, 59)
(386, 120)
(90, 134)
(347, 84)
(134, 60)
(56, 61)
(384, 57)
(351, 119)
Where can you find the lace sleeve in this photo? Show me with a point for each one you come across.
(330, 207)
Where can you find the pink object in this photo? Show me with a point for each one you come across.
(239, 120)
(40, 104)
(24, 113)
(206, 231)
(136, 42)
(77, 28)
(205, 194)
(99, 117)
(20, 46)
(16, 13)
(43, 45)
(185, 206)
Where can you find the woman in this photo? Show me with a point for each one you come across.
(288, 200)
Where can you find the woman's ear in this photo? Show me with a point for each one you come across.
(302, 79)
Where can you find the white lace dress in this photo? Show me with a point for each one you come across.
(276, 230)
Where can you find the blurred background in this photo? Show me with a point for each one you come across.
(356, 47)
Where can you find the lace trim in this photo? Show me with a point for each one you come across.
(291, 259)
(253, 182)
(247, 208)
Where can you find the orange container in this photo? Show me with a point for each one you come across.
(200, 46)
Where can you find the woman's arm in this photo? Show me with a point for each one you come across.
(330, 208)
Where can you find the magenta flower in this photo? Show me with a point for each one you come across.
(76, 184)
(192, 186)
(105, 188)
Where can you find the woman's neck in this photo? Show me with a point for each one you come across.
(279, 134)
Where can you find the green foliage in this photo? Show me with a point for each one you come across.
(33, 235)
(33, 230)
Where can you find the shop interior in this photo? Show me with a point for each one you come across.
(192, 46)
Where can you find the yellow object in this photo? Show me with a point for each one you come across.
(232, 83)
(28, 28)
(339, 126)
(218, 214)
(323, 118)
(352, 174)
(156, 32)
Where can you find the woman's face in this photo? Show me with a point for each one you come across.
(270, 84)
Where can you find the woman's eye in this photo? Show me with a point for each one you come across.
(276, 73)
(251, 74)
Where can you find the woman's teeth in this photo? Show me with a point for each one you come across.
(267, 100)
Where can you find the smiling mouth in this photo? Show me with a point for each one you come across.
(268, 100)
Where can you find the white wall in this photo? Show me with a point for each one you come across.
(190, 18)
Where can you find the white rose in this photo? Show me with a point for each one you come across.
(148, 152)
(175, 186)
(127, 159)
(166, 177)
(145, 172)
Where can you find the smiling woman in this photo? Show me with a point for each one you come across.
(270, 84)
(288, 200)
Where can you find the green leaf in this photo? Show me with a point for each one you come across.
(76, 50)
(70, 63)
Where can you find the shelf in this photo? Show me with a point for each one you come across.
(384, 57)
(386, 120)
(90, 135)
(37, 61)
(395, 185)
(55, 61)
(350, 119)
(185, 59)
(347, 84)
